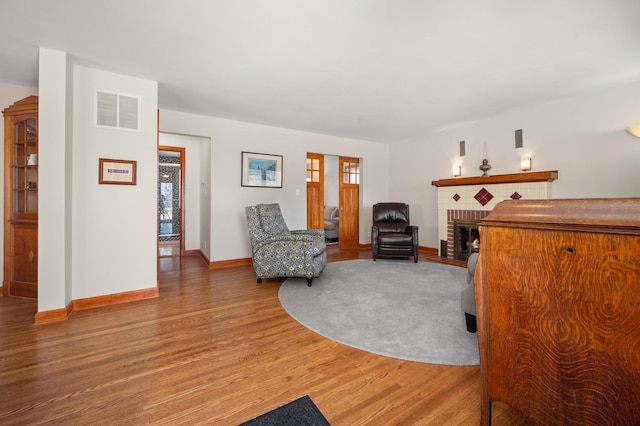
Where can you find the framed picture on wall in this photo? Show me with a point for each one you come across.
(261, 170)
(117, 172)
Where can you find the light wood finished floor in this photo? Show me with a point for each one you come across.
(169, 248)
(215, 348)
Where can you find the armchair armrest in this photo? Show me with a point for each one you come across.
(375, 231)
(413, 231)
(305, 244)
(315, 233)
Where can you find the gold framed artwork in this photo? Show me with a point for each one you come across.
(116, 172)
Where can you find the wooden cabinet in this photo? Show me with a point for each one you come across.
(21, 199)
(558, 298)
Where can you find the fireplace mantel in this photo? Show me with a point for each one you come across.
(498, 179)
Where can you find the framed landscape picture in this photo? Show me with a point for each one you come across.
(261, 170)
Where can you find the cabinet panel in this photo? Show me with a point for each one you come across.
(24, 261)
(560, 319)
(21, 199)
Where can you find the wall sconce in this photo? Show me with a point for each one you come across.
(633, 130)
(525, 164)
(457, 171)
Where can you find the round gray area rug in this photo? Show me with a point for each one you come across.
(395, 308)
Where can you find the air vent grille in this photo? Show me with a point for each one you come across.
(107, 109)
(117, 111)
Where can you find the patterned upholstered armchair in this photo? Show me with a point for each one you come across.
(278, 252)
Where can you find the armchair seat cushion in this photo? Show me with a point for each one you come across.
(395, 239)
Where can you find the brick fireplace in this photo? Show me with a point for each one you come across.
(462, 228)
(468, 200)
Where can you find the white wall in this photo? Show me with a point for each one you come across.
(190, 186)
(54, 237)
(9, 94)
(114, 226)
(229, 238)
(205, 199)
(583, 138)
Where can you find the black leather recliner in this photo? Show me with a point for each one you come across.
(391, 233)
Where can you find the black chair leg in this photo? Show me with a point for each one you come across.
(472, 326)
(259, 280)
(309, 281)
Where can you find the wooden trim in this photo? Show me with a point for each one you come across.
(190, 253)
(55, 315)
(499, 179)
(427, 250)
(24, 106)
(114, 299)
(229, 263)
(204, 257)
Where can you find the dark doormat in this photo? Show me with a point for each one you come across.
(301, 412)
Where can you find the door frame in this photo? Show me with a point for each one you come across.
(182, 152)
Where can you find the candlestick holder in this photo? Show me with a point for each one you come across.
(485, 166)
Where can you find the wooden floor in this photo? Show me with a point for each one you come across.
(169, 248)
(215, 348)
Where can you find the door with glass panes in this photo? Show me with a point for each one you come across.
(21, 199)
(349, 188)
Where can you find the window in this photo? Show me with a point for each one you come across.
(351, 172)
(313, 170)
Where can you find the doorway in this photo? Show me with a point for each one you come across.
(334, 181)
(170, 201)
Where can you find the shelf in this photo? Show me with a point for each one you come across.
(547, 176)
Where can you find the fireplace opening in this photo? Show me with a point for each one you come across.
(465, 232)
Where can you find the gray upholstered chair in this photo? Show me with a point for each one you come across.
(391, 233)
(277, 251)
(331, 223)
(468, 295)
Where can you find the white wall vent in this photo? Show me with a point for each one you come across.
(118, 111)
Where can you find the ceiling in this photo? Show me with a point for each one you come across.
(379, 70)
